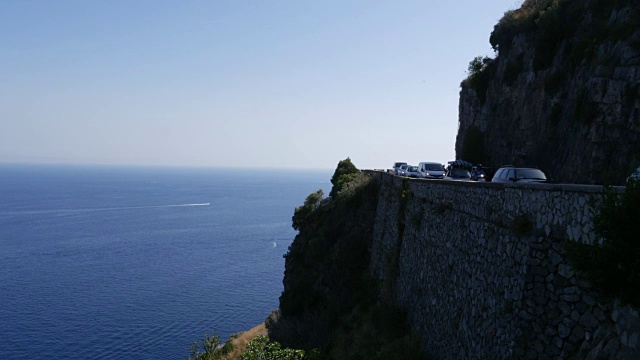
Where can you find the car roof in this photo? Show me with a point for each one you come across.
(520, 168)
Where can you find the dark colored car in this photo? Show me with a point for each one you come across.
(519, 174)
(458, 174)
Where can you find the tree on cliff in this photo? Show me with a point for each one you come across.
(344, 173)
(301, 213)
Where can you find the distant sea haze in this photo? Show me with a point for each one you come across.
(137, 263)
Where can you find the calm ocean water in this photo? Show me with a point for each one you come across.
(137, 263)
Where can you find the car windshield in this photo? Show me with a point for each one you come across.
(459, 173)
(412, 168)
(433, 167)
(530, 174)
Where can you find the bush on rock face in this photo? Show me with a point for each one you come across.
(345, 172)
(261, 348)
(301, 213)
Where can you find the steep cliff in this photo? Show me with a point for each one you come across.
(562, 94)
(467, 270)
(330, 302)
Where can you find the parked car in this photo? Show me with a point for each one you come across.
(396, 167)
(431, 170)
(412, 171)
(456, 173)
(402, 169)
(519, 174)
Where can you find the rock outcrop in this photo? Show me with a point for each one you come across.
(562, 94)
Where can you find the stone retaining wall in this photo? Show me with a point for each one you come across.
(481, 270)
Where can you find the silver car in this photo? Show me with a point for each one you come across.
(412, 171)
(403, 169)
(396, 167)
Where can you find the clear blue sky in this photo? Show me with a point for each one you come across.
(298, 84)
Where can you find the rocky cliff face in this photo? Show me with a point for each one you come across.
(562, 94)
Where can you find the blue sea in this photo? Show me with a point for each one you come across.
(101, 262)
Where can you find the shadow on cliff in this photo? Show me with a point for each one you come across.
(329, 300)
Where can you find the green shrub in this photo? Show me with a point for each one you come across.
(481, 71)
(551, 30)
(345, 172)
(210, 346)
(514, 22)
(260, 348)
(301, 213)
(353, 185)
(613, 267)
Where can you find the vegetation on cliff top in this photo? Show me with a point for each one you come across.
(330, 302)
(329, 308)
(547, 23)
(258, 348)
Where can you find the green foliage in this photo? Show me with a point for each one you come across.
(613, 267)
(551, 31)
(211, 349)
(345, 172)
(478, 64)
(515, 22)
(553, 25)
(260, 348)
(329, 296)
(355, 185)
(302, 213)
(325, 265)
(481, 71)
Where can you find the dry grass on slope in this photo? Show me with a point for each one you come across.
(241, 340)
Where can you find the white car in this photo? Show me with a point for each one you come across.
(430, 170)
(402, 170)
(412, 171)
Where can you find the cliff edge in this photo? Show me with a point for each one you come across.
(562, 93)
